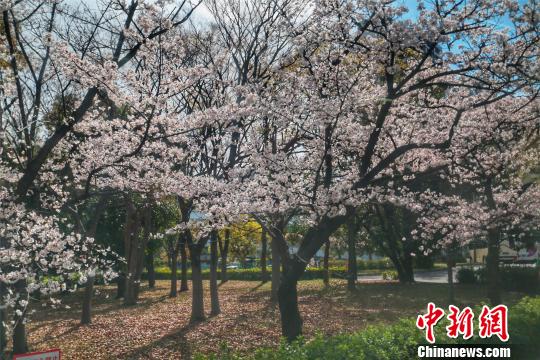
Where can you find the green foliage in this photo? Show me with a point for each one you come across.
(337, 262)
(381, 264)
(424, 262)
(244, 236)
(397, 341)
(254, 274)
(524, 279)
(110, 227)
(466, 276)
(390, 275)
(165, 214)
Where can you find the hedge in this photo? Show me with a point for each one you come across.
(254, 274)
(466, 275)
(398, 341)
(515, 278)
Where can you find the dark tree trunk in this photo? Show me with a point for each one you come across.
(141, 244)
(400, 257)
(450, 273)
(408, 245)
(492, 261)
(120, 285)
(403, 268)
(214, 295)
(264, 250)
(326, 272)
(185, 240)
(391, 243)
(86, 317)
(492, 267)
(20, 345)
(197, 300)
(276, 271)
(86, 313)
(313, 240)
(291, 321)
(3, 320)
(408, 270)
(129, 294)
(224, 252)
(131, 246)
(351, 249)
(183, 259)
(174, 272)
(151, 270)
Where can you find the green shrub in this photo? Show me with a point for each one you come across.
(466, 276)
(254, 274)
(390, 275)
(424, 262)
(398, 341)
(337, 262)
(515, 278)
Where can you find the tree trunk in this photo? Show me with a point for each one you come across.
(86, 313)
(224, 252)
(408, 270)
(352, 268)
(492, 261)
(214, 295)
(3, 320)
(141, 244)
(264, 250)
(174, 272)
(131, 228)
(492, 267)
(120, 285)
(326, 272)
(20, 345)
(151, 270)
(313, 240)
(449, 264)
(291, 321)
(183, 259)
(86, 317)
(197, 299)
(276, 273)
(129, 294)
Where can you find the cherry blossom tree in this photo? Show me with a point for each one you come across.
(368, 95)
(280, 109)
(38, 171)
(497, 199)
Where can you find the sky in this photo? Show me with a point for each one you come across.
(202, 14)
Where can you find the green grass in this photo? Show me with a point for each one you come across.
(397, 341)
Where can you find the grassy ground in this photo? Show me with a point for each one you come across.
(158, 327)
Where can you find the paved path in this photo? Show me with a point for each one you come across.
(439, 276)
(431, 276)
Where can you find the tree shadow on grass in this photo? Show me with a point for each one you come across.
(178, 341)
(258, 286)
(50, 337)
(175, 339)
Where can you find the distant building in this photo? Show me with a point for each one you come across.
(507, 254)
